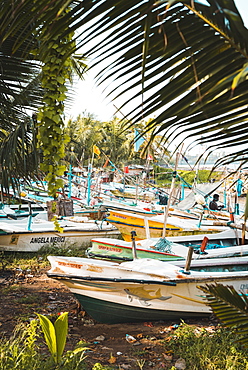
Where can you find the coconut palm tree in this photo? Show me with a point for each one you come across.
(84, 132)
(186, 60)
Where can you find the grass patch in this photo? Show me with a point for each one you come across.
(32, 262)
(24, 351)
(11, 288)
(30, 299)
(208, 350)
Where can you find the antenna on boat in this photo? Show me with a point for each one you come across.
(134, 251)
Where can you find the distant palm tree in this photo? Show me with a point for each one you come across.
(84, 132)
(115, 143)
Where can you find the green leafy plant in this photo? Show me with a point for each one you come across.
(21, 351)
(73, 360)
(57, 225)
(56, 70)
(55, 337)
(55, 334)
(230, 307)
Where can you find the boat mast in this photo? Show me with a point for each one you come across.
(166, 209)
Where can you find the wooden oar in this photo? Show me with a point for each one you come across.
(231, 224)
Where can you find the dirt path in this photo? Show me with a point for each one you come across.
(23, 296)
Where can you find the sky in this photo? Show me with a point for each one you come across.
(90, 98)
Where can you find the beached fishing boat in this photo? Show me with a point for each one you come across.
(131, 193)
(8, 213)
(144, 208)
(147, 226)
(216, 264)
(29, 235)
(223, 244)
(140, 290)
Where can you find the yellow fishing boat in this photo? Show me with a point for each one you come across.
(152, 226)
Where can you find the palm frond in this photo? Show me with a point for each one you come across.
(230, 307)
(177, 63)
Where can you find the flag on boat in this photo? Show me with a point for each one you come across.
(150, 157)
(106, 163)
(96, 150)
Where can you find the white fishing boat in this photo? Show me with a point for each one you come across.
(10, 213)
(30, 234)
(216, 264)
(223, 244)
(145, 208)
(140, 290)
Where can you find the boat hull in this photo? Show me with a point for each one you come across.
(142, 290)
(223, 244)
(34, 240)
(114, 313)
(120, 302)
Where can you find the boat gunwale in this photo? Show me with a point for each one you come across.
(114, 280)
(172, 281)
(142, 226)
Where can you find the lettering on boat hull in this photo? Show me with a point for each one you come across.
(48, 239)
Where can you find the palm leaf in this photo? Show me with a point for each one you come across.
(184, 63)
(26, 27)
(230, 307)
(181, 60)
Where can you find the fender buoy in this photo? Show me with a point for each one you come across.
(204, 244)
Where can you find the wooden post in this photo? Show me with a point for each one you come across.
(189, 258)
(62, 207)
(134, 251)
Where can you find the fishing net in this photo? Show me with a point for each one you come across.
(163, 245)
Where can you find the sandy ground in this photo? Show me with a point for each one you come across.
(24, 296)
